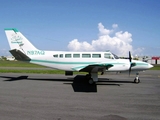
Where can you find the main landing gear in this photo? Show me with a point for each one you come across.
(92, 78)
(137, 80)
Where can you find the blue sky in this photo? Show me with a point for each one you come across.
(82, 25)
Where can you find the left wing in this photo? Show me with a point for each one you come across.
(93, 68)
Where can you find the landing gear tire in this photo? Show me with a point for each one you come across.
(90, 81)
(137, 80)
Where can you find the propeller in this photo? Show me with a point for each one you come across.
(130, 60)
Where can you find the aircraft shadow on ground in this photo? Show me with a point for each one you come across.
(78, 83)
(14, 78)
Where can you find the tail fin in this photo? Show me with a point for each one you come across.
(18, 41)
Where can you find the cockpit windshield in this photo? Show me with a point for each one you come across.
(115, 56)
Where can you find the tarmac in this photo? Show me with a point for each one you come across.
(60, 97)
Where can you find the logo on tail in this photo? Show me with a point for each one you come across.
(16, 39)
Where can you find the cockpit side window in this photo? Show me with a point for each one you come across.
(108, 55)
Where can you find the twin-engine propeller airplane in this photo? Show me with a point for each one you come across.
(90, 62)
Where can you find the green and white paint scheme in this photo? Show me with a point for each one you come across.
(91, 62)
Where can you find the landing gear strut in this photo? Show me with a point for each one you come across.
(137, 80)
(92, 78)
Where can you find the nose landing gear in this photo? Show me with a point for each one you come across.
(137, 80)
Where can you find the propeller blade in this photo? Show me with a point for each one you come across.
(130, 60)
(130, 57)
(129, 70)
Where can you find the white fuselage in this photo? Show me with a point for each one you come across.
(74, 61)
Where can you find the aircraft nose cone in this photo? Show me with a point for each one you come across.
(150, 66)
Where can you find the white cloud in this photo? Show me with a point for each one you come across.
(102, 30)
(114, 25)
(118, 43)
(75, 45)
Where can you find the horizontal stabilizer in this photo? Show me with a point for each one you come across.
(19, 55)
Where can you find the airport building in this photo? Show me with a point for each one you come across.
(10, 58)
(154, 60)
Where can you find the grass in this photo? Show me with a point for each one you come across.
(18, 64)
(24, 65)
(32, 71)
(156, 67)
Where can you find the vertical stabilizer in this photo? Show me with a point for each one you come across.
(18, 41)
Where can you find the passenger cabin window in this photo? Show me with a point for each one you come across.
(68, 56)
(96, 55)
(86, 55)
(61, 56)
(76, 55)
(108, 55)
(56, 56)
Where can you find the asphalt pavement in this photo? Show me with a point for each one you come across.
(59, 97)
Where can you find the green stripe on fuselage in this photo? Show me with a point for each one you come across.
(141, 64)
(59, 62)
